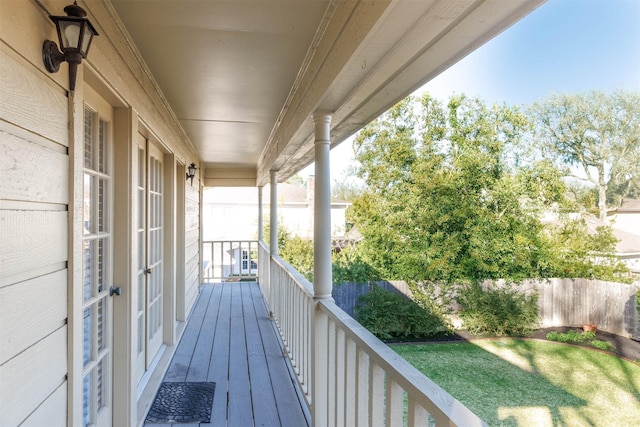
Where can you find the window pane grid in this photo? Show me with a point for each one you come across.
(96, 265)
(88, 250)
(102, 270)
(101, 324)
(86, 336)
(87, 407)
(102, 146)
(100, 385)
(88, 138)
(102, 203)
(88, 204)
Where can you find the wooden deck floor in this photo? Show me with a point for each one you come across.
(230, 340)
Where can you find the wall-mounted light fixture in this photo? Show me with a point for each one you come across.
(75, 33)
(191, 172)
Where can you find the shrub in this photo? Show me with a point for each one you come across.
(390, 316)
(603, 345)
(299, 253)
(571, 336)
(498, 312)
(574, 337)
(349, 266)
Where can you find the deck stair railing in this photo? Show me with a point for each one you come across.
(349, 377)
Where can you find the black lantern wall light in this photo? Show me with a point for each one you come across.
(191, 172)
(75, 33)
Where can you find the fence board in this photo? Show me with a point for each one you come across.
(561, 302)
(346, 295)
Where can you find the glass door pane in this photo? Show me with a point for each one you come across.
(96, 251)
(150, 253)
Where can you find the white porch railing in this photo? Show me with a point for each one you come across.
(360, 381)
(224, 260)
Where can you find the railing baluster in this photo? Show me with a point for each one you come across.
(376, 395)
(416, 414)
(340, 373)
(351, 376)
(362, 389)
(226, 261)
(394, 404)
(348, 376)
(331, 371)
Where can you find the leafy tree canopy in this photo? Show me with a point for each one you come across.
(599, 135)
(446, 198)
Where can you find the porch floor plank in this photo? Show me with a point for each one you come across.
(230, 340)
(262, 395)
(239, 393)
(283, 388)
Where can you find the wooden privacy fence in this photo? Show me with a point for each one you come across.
(571, 302)
(561, 302)
(346, 294)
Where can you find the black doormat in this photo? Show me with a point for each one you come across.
(182, 403)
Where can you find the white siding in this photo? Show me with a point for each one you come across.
(30, 311)
(34, 195)
(40, 204)
(192, 242)
(31, 379)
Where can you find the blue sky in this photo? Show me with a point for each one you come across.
(563, 46)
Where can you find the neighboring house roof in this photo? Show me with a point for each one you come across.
(292, 193)
(628, 243)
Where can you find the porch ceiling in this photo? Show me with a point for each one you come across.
(244, 76)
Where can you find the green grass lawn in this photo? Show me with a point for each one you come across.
(511, 382)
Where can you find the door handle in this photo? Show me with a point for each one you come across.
(147, 271)
(116, 291)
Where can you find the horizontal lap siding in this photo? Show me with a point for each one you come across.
(34, 196)
(192, 243)
(53, 412)
(19, 158)
(31, 239)
(31, 310)
(29, 101)
(32, 378)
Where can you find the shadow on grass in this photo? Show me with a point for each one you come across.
(498, 391)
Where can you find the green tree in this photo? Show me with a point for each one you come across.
(345, 190)
(447, 198)
(599, 134)
(440, 204)
(575, 251)
(299, 253)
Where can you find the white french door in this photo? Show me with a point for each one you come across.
(150, 253)
(97, 249)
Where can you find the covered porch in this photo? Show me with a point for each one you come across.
(280, 357)
(101, 191)
(230, 340)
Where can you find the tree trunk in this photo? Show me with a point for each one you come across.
(602, 203)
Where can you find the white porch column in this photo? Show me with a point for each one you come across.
(322, 275)
(273, 212)
(274, 287)
(260, 219)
